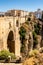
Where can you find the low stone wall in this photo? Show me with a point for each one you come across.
(9, 64)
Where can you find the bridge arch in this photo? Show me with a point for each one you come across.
(10, 41)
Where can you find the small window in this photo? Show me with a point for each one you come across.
(10, 25)
(18, 14)
(17, 23)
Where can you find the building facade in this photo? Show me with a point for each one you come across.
(38, 14)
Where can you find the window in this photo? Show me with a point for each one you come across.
(17, 23)
(18, 14)
(10, 25)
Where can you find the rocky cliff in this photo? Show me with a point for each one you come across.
(31, 34)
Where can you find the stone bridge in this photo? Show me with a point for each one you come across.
(9, 33)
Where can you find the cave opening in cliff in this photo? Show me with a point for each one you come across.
(10, 42)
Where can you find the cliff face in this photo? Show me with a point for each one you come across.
(33, 35)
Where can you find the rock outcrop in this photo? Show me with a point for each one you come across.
(33, 34)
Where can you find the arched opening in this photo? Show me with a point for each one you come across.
(10, 42)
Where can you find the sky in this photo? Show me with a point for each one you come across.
(27, 5)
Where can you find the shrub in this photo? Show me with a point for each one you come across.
(12, 56)
(4, 54)
(35, 39)
(37, 28)
(33, 53)
(22, 48)
(34, 35)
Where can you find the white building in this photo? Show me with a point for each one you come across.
(38, 14)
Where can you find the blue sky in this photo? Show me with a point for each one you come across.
(28, 5)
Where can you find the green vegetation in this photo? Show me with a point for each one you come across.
(35, 33)
(22, 48)
(35, 37)
(33, 53)
(4, 54)
(37, 28)
(35, 42)
(22, 33)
